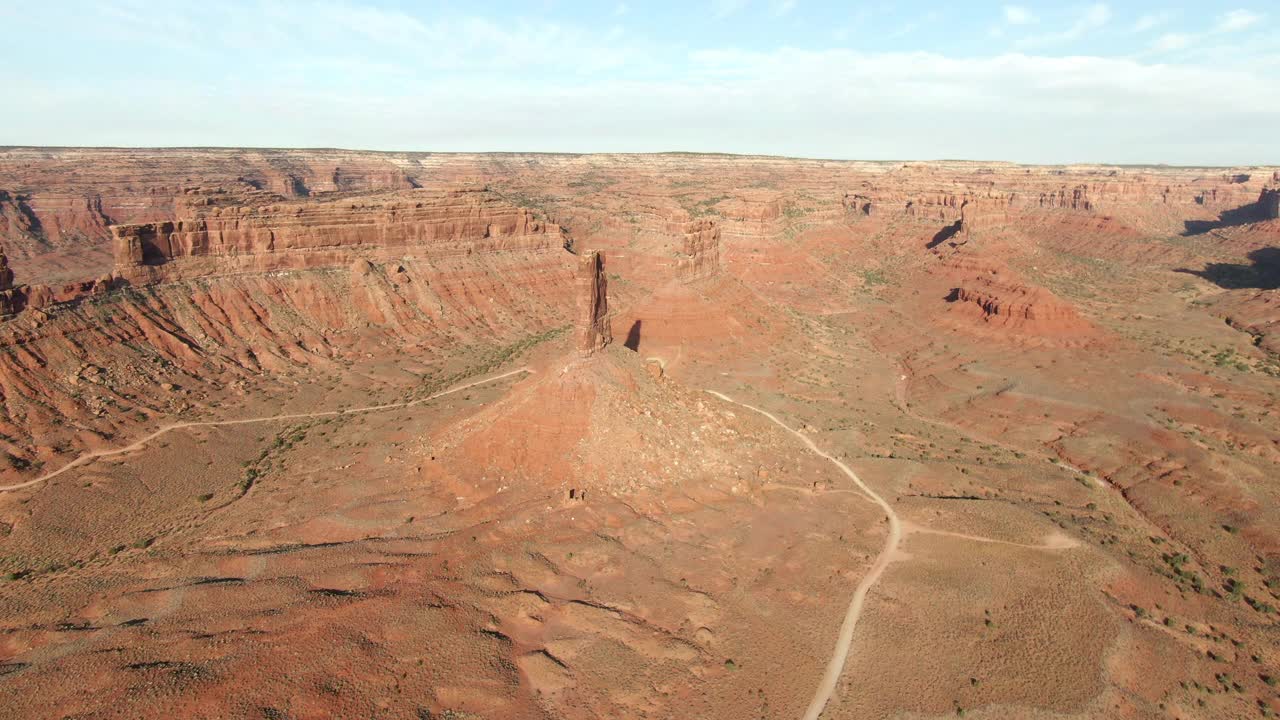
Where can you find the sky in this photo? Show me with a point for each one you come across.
(1033, 82)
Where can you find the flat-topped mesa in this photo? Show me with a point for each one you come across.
(700, 256)
(294, 235)
(979, 199)
(593, 328)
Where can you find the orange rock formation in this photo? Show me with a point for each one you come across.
(701, 250)
(594, 330)
(316, 234)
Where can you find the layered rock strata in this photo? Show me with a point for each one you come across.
(700, 251)
(994, 295)
(283, 236)
(593, 331)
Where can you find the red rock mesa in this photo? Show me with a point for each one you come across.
(221, 234)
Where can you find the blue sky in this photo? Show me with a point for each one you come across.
(1029, 82)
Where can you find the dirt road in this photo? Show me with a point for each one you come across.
(90, 457)
(845, 639)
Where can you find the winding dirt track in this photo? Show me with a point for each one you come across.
(90, 457)
(845, 640)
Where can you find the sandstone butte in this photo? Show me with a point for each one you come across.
(333, 433)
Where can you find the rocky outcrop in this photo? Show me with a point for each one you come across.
(987, 198)
(700, 252)
(1256, 312)
(857, 204)
(1076, 198)
(14, 298)
(17, 222)
(211, 335)
(994, 296)
(593, 330)
(10, 298)
(946, 208)
(61, 202)
(1022, 307)
(1269, 202)
(214, 238)
(751, 214)
(65, 219)
(6, 275)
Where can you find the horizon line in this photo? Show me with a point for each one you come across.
(693, 153)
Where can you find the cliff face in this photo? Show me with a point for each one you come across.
(56, 205)
(229, 292)
(17, 221)
(700, 250)
(71, 196)
(10, 299)
(213, 239)
(1270, 204)
(1165, 201)
(593, 331)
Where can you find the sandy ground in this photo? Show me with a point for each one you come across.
(1072, 520)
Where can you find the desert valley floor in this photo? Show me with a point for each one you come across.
(321, 433)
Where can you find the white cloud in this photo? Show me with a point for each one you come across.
(1230, 22)
(337, 33)
(905, 30)
(456, 83)
(621, 9)
(1172, 41)
(911, 26)
(724, 8)
(1094, 17)
(1151, 21)
(1237, 20)
(784, 7)
(1018, 15)
(971, 83)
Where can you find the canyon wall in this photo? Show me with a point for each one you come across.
(18, 224)
(234, 293)
(244, 238)
(1149, 201)
(56, 205)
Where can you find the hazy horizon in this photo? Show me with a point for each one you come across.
(707, 153)
(1142, 83)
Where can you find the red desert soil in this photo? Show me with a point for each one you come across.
(308, 434)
